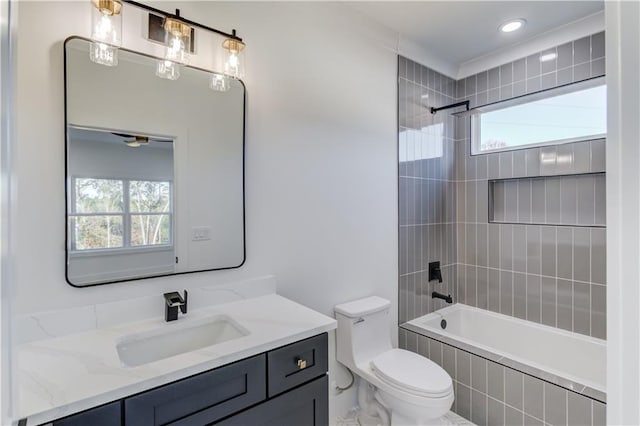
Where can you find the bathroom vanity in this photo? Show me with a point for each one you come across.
(269, 366)
(287, 386)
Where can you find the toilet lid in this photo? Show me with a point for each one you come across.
(412, 372)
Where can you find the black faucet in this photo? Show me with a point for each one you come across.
(437, 295)
(174, 301)
(434, 271)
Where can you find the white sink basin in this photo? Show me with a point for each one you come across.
(177, 338)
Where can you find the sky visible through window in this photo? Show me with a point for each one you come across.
(580, 114)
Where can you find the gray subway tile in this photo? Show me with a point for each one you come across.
(597, 45)
(533, 396)
(600, 195)
(513, 388)
(463, 367)
(520, 248)
(435, 351)
(520, 295)
(506, 74)
(578, 410)
(470, 85)
(495, 413)
(565, 252)
(506, 164)
(548, 247)
(538, 201)
(598, 311)
(511, 201)
(519, 163)
(513, 417)
(506, 292)
(548, 160)
(598, 256)
(582, 71)
(519, 88)
(555, 399)
(533, 66)
(481, 81)
(534, 84)
(449, 360)
(599, 414)
(482, 288)
(495, 380)
(565, 76)
(482, 244)
(564, 309)
(533, 249)
(585, 191)
(549, 81)
(533, 298)
(494, 78)
(581, 157)
(532, 421)
(582, 50)
(568, 200)
(549, 301)
(549, 65)
(482, 201)
(598, 67)
(581, 254)
(471, 291)
(565, 55)
(478, 408)
(552, 188)
(493, 251)
(533, 161)
(493, 300)
(506, 246)
(582, 308)
(493, 165)
(524, 201)
(520, 69)
(463, 400)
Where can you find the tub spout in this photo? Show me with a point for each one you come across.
(437, 295)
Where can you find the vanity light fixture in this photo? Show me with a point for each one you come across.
(511, 26)
(106, 24)
(234, 65)
(177, 41)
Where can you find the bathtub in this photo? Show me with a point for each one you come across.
(570, 360)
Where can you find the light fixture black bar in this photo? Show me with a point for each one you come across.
(186, 21)
(457, 104)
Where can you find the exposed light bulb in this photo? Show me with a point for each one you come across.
(233, 66)
(177, 40)
(219, 82)
(106, 20)
(167, 69)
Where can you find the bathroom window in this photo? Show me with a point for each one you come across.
(565, 114)
(119, 214)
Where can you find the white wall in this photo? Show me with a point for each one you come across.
(623, 211)
(321, 185)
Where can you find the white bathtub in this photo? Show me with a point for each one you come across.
(571, 357)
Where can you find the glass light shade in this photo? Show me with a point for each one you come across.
(103, 54)
(234, 64)
(167, 69)
(177, 40)
(106, 22)
(106, 31)
(219, 82)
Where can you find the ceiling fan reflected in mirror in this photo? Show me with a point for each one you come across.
(136, 141)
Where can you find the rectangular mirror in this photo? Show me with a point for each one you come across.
(155, 170)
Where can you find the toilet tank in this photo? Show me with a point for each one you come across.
(363, 330)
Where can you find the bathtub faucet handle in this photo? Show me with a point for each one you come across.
(435, 273)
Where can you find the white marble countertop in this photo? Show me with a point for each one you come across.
(65, 375)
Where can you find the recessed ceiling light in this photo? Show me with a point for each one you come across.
(512, 25)
(548, 57)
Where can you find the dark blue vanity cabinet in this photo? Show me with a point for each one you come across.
(285, 386)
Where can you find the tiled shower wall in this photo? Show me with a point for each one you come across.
(550, 270)
(427, 188)
(547, 263)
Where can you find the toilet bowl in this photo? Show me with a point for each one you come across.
(411, 388)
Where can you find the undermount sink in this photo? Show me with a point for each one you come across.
(177, 338)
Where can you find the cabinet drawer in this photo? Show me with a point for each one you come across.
(305, 406)
(295, 364)
(200, 399)
(106, 415)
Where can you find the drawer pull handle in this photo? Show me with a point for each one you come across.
(302, 364)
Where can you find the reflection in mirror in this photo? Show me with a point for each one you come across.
(154, 170)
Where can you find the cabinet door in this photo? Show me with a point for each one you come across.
(203, 398)
(303, 406)
(106, 415)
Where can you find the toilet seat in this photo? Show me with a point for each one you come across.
(412, 373)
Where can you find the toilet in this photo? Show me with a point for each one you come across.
(396, 386)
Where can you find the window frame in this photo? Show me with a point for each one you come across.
(126, 215)
(475, 114)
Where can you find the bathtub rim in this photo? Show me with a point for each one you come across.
(568, 382)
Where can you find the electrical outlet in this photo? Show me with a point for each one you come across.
(200, 233)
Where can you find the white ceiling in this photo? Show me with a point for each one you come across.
(460, 31)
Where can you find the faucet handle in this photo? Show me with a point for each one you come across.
(174, 299)
(183, 305)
